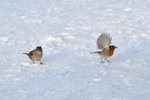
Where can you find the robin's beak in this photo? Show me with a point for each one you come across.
(116, 47)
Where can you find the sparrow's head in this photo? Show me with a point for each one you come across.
(39, 48)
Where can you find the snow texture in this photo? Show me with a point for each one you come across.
(67, 30)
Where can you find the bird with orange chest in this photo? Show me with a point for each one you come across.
(103, 42)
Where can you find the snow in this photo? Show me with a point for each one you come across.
(67, 30)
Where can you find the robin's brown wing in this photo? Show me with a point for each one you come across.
(104, 41)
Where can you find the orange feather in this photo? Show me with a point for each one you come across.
(111, 52)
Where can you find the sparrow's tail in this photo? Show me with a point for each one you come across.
(25, 53)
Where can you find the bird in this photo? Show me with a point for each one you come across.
(36, 54)
(103, 42)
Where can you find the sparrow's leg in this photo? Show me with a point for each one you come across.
(40, 62)
(33, 62)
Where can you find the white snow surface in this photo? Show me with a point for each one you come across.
(67, 30)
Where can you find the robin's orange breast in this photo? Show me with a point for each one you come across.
(111, 52)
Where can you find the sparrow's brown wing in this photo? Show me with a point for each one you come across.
(31, 53)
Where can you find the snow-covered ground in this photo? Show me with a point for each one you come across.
(67, 30)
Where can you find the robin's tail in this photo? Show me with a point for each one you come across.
(95, 52)
(25, 53)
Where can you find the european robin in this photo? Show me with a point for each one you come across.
(103, 42)
(36, 54)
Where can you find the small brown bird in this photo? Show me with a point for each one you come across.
(35, 54)
(103, 42)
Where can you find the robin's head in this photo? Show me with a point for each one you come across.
(39, 48)
(112, 47)
(111, 50)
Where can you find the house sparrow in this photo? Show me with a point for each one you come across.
(35, 54)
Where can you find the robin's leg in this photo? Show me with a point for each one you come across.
(107, 60)
(102, 60)
(40, 62)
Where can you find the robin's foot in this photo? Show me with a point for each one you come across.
(107, 60)
(102, 62)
